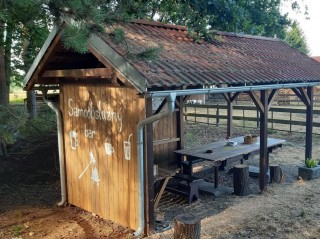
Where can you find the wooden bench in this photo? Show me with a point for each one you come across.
(187, 165)
(187, 186)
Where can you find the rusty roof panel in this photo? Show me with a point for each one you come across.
(229, 59)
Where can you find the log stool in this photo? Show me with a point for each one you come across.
(187, 226)
(241, 179)
(275, 173)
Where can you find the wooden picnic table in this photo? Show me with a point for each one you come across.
(219, 152)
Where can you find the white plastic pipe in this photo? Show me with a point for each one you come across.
(60, 150)
(140, 143)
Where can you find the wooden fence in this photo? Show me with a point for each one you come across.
(281, 99)
(279, 118)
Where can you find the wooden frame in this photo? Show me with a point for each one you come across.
(79, 73)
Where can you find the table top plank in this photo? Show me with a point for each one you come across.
(221, 152)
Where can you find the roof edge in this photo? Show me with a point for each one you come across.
(118, 62)
(53, 34)
(159, 24)
(245, 36)
(184, 28)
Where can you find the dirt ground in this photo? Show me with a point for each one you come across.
(30, 189)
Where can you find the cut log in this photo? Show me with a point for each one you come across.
(241, 180)
(275, 173)
(187, 226)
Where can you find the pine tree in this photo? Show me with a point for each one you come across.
(295, 38)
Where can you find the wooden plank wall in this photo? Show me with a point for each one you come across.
(99, 122)
(163, 153)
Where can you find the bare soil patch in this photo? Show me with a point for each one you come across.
(30, 189)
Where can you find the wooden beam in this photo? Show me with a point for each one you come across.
(300, 92)
(234, 97)
(230, 98)
(42, 61)
(256, 101)
(227, 97)
(79, 73)
(108, 65)
(272, 97)
(264, 155)
(150, 217)
(230, 119)
(185, 98)
(163, 103)
(309, 124)
(180, 129)
(165, 141)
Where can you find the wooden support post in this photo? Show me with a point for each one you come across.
(217, 116)
(149, 182)
(180, 129)
(264, 156)
(309, 124)
(187, 226)
(230, 117)
(275, 173)
(230, 98)
(241, 179)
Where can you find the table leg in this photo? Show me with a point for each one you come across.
(216, 169)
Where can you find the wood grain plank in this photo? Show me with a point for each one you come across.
(79, 73)
(125, 163)
(115, 171)
(132, 169)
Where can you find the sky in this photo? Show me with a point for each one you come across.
(311, 27)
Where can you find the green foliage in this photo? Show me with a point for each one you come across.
(16, 230)
(11, 119)
(76, 36)
(15, 124)
(311, 163)
(43, 124)
(149, 54)
(117, 36)
(295, 38)
(26, 25)
(272, 131)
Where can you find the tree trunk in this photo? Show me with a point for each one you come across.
(275, 173)
(241, 179)
(187, 226)
(4, 97)
(7, 60)
(31, 104)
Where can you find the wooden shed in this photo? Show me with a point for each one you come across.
(111, 131)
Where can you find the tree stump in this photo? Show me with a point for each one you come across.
(275, 173)
(241, 179)
(187, 226)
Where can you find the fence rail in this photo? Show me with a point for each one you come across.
(281, 99)
(279, 118)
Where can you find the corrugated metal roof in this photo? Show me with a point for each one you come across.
(317, 58)
(229, 59)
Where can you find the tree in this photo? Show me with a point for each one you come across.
(17, 18)
(255, 17)
(23, 29)
(295, 38)
(4, 95)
